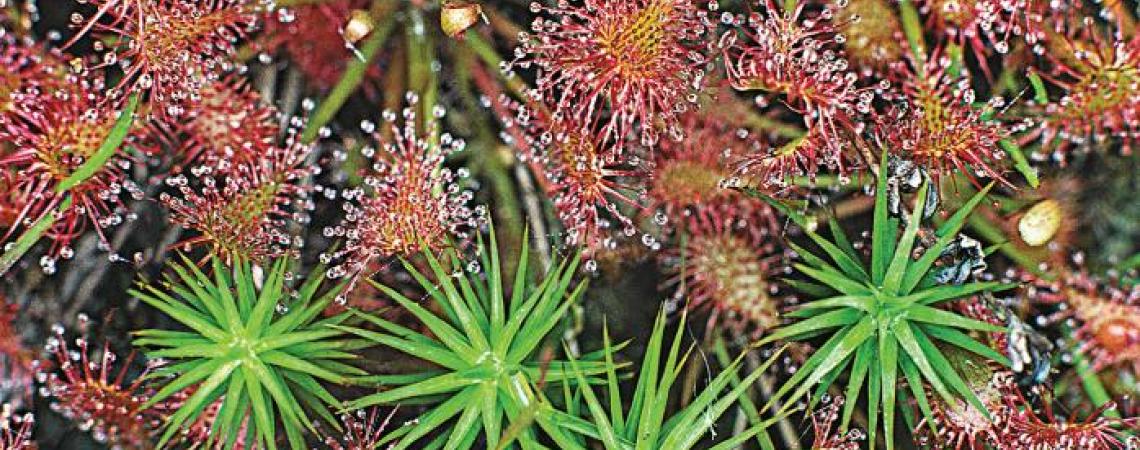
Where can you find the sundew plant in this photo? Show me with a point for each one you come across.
(571, 224)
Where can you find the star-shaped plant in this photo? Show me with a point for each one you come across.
(259, 347)
(484, 339)
(883, 318)
(646, 424)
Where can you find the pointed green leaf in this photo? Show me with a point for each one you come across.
(859, 368)
(834, 280)
(830, 319)
(946, 233)
(915, 381)
(888, 366)
(882, 234)
(964, 341)
(897, 268)
(923, 313)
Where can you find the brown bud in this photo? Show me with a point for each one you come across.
(358, 26)
(1040, 223)
(457, 16)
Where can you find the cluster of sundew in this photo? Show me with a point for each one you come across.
(27, 66)
(813, 140)
(51, 134)
(1098, 71)
(587, 180)
(84, 387)
(227, 124)
(409, 200)
(319, 39)
(937, 126)
(1108, 315)
(962, 426)
(722, 252)
(1014, 422)
(691, 172)
(827, 436)
(797, 58)
(726, 261)
(245, 209)
(619, 68)
(1026, 428)
(16, 429)
(249, 184)
(166, 49)
(791, 55)
(981, 25)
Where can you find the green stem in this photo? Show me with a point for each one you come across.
(912, 26)
(353, 75)
(421, 78)
(106, 150)
(30, 237)
(1098, 395)
(1019, 162)
(492, 59)
(830, 181)
(1040, 94)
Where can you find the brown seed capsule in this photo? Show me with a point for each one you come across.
(457, 16)
(1040, 223)
(358, 26)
